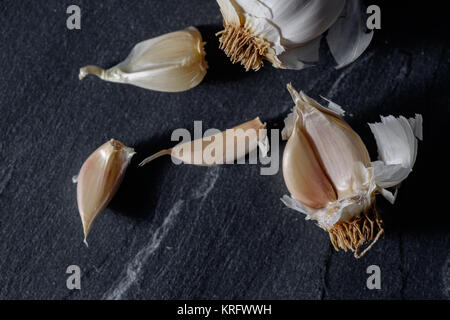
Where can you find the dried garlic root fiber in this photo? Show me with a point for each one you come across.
(172, 62)
(327, 169)
(98, 180)
(221, 148)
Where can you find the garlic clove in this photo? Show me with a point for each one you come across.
(99, 179)
(351, 218)
(334, 153)
(221, 148)
(303, 174)
(338, 147)
(172, 62)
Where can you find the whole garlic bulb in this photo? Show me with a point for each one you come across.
(327, 169)
(288, 32)
(172, 62)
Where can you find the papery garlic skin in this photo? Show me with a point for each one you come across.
(99, 179)
(288, 33)
(397, 148)
(173, 62)
(227, 142)
(347, 38)
(327, 169)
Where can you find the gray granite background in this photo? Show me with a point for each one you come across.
(186, 232)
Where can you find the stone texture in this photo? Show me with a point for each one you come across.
(185, 232)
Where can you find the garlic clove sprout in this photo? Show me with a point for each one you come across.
(99, 178)
(329, 153)
(220, 148)
(288, 33)
(172, 62)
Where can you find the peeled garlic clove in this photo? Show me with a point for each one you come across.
(172, 62)
(99, 178)
(220, 148)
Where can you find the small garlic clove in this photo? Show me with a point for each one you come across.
(221, 148)
(99, 179)
(173, 62)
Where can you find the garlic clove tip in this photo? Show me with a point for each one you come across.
(94, 70)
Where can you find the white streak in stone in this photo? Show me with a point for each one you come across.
(209, 180)
(134, 267)
(335, 87)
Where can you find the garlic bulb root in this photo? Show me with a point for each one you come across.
(240, 45)
(351, 235)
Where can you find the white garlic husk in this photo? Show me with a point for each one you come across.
(172, 62)
(287, 33)
(327, 169)
(99, 179)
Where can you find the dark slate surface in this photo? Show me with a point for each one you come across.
(183, 232)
